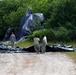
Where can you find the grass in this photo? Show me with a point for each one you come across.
(25, 43)
(71, 54)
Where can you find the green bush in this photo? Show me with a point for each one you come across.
(72, 35)
(61, 34)
(47, 32)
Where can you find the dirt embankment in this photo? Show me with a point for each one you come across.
(36, 64)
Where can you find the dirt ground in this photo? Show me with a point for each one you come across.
(36, 64)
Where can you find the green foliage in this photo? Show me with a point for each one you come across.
(61, 13)
(60, 16)
(61, 34)
(47, 32)
(72, 35)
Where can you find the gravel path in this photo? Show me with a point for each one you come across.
(36, 64)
